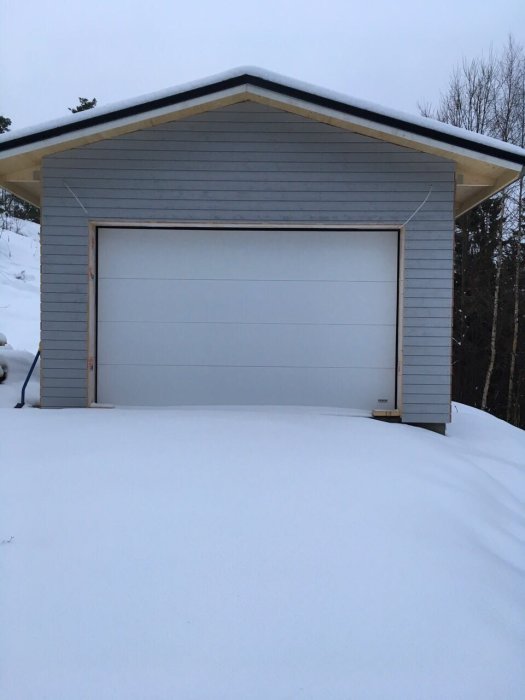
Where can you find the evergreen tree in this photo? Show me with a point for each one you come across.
(83, 104)
(5, 123)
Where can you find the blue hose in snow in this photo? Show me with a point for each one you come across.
(22, 401)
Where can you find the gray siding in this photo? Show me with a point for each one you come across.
(250, 163)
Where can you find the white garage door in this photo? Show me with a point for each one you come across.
(244, 317)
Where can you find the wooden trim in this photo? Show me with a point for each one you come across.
(93, 271)
(400, 318)
(482, 193)
(40, 344)
(275, 226)
(92, 314)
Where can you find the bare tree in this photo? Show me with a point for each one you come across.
(486, 95)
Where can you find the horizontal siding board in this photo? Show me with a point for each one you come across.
(246, 210)
(263, 148)
(51, 249)
(419, 416)
(79, 268)
(57, 319)
(441, 234)
(426, 303)
(433, 399)
(423, 360)
(438, 411)
(65, 328)
(61, 402)
(58, 365)
(141, 199)
(270, 161)
(433, 279)
(50, 294)
(421, 292)
(107, 188)
(414, 244)
(66, 381)
(410, 389)
(425, 265)
(64, 307)
(409, 370)
(52, 353)
(67, 335)
(166, 191)
(63, 374)
(79, 261)
(69, 282)
(425, 346)
(425, 326)
(250, 164)
(60, 344)
(217, 179)
(74, 392)
(426, 316)
(417, 383)
(294, 143)
(73, 238)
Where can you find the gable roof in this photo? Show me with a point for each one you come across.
(483, 165)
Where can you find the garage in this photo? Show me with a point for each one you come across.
(247, 316)
(236, 242)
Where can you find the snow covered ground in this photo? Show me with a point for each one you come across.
(270, 554)
(19, 308)
(20, 285)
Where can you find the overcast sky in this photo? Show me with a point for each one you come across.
(396, 53)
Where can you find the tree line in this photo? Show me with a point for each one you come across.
(485, 95)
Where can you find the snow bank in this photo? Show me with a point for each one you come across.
(14, 366)
(20, 284)
(270, 554)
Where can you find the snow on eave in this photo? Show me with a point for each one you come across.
(139, 107)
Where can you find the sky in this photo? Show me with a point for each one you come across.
(396, 53)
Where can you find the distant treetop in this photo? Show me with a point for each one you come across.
(83, 104)
(5, 123)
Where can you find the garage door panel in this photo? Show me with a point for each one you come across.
(167, 386)
(247, 317)
(248, 254)
(244, 302)
(248, 345)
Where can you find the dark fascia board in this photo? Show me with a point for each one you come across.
(279, 88)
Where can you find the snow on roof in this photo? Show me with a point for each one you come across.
(273, 80)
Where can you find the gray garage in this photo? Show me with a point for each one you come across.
(250, 240)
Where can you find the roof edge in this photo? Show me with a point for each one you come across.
(428, 128)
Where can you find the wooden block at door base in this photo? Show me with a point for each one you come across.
(391, 413)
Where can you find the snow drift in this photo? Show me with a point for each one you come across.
(19, 309)
(20, 284)
(269, 554)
